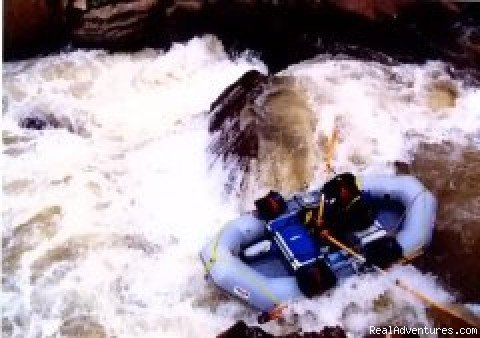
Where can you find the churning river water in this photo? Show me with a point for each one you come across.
(104, 215)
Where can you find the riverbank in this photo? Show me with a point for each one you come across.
(281, 33)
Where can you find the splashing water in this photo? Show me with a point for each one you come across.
(103, 220)
(382, 113)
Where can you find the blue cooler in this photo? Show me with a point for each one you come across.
(293, 239)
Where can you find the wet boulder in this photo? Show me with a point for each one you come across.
(263, 126)
(32, 24)
(283, 32)
(111, 24)
(234, 116)
(242, 330)
(373, 9)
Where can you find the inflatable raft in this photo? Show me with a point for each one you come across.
(268, 263)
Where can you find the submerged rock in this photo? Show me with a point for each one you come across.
(82, 326)
(442, 95)
(34, 123)
(41, 121)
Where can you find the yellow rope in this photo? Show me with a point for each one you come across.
(321, 210)
(352, 202)
(410, 257)
(214, 258)
(329, 155)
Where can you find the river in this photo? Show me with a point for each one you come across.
(105, 211)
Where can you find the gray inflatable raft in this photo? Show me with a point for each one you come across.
(253, 261)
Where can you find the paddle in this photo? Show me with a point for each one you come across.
(454, 310)
(461, 313)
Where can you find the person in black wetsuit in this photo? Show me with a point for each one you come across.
(343, 208)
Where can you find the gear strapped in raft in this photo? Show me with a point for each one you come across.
(298, 263)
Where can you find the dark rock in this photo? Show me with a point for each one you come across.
(233, 115)
(33, 123)
(387, 9)
(32, 26)
(374, 9)
(326, 332)
(286, 32)
(242, 330)
(401, 168)
(42, 121)
(112, 24)
(283, 32)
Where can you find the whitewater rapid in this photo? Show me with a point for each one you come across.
(103, 219)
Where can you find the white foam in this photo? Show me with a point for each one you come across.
(142, 172)
(475, 308)
(368, 300)
(383, 112)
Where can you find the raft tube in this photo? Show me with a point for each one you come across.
(406, 210)
(416, 229)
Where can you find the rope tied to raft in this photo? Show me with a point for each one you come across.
(400, 283)
(248, 274)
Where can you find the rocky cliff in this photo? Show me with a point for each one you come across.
(282, 31)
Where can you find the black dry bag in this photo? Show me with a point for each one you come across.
(270, 206)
